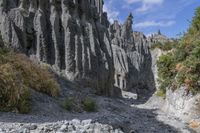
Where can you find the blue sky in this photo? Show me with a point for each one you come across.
(172, 17)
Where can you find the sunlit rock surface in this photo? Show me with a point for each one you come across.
(70, 35)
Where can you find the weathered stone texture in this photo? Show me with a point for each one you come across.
(71, 35)
(132, 58)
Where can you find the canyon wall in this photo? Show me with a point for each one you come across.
(70, 35)
(76, 38)
(132, 59)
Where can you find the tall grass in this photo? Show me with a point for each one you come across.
(18, 74)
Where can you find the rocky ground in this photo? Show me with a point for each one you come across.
(114, 115)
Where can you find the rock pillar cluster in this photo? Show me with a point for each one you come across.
(132, 58)
(70, 35)
(76, 38)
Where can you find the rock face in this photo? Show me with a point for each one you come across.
(132, 58)
(70, 35)
(155, 54)
(182, 105)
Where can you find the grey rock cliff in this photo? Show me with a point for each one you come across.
(70, 35)
(182, 105)
(155, 54)
(132, 58)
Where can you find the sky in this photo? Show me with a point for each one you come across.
(172, 17)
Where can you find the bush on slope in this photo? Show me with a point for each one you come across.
(18, 74)
(181, 66)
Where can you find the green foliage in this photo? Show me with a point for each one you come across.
(165, 46)
(72, 104)
(161, 93)
(195, 26)
(68, 104)
(166, 71)
(181, 67)
(89, 105)
(77, 104)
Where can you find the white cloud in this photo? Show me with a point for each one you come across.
(143, 8)
(132, 1)
(145, 1)
(153, 1)
(146, 24)
(145, 4)
(112, 13)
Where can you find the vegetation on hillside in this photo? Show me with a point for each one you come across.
(181, 66)
(78, 104)
(166, 46)
(18, 74)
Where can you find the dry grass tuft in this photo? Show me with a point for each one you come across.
(18, 74)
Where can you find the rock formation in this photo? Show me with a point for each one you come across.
(155, 55)
(182, 105)
(158, 38)
(132, 58)
(73, 37)
(70, 35)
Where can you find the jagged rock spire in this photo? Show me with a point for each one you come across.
(159, 32)
(130, 16)
(129, 20)
(132, 58)
(127, 32)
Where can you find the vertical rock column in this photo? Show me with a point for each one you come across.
(41, 34)
(56, 32)
(69, 26)
(132, 58)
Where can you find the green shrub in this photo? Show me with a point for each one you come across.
(166, 64)
(181, 67)
(161, 93)
(195, 26)
(68, 104)
(72, 104)
(89, 105)
(167, 46)
(77, 104)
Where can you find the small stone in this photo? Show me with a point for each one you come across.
(90, 131)
(21, 124)
(66, 122)
(47, 129)
(33, 127)
(71, 128)
(1, 130)
(24, 130)
(63, 128)
(76, 122)
(133, 131)
(86, 122)
(116, 131)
